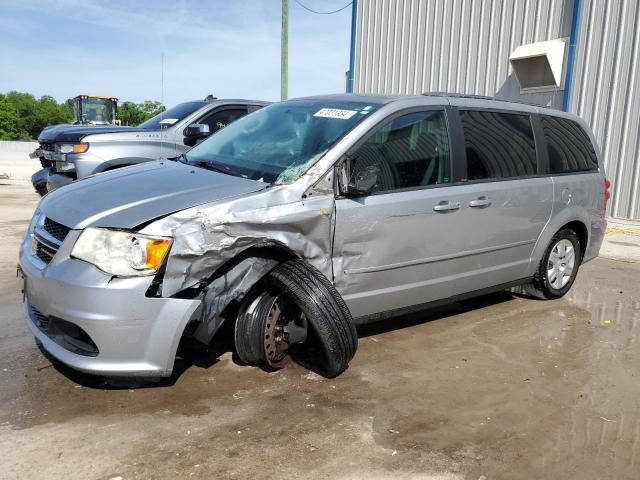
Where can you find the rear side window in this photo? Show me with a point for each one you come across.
(498, 145)
(569, 147)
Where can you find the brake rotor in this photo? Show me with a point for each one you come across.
(281, 331)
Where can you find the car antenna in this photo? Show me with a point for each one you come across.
(161, 103)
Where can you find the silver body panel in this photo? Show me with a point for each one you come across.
(383, 252)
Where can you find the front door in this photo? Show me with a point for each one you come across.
(399, 245)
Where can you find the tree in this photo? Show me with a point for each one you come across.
(133, 114)
(25, 107)
(49, 112)
(9, 121)
(34, 115)
(23, 116)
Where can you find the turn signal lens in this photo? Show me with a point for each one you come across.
(73, 147)
(156, 250)
(80, 147)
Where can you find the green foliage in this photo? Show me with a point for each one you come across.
(133, 114)
(9, 120)
(23, 116)
(35, 114)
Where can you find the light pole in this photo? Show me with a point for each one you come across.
(284, 51)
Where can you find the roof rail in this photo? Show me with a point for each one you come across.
(457, 95)
(476, 97)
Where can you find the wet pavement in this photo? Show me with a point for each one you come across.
(497, 387)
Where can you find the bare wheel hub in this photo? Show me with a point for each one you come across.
(285, 326)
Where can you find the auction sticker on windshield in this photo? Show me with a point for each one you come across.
(335, 113)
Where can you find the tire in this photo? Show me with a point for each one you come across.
(250, 329)
(331, 339)
(41, 190)
(548, 285)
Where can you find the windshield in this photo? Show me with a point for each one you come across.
(172, 116)
(279, 143)
(97, 110)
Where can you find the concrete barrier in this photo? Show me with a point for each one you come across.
(15, 164)
(11, 146)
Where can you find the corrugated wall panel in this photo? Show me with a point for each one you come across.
(414, 46)
(606, 93)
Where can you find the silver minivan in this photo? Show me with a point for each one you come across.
(306, 218)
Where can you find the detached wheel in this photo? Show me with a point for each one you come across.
(295, 313)
(559, 265)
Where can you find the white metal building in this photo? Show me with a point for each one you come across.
(579, 55)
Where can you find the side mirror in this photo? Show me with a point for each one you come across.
(195, 132)
(357, 183)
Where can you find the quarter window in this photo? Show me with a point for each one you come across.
(498, 145)
(410, 151)
(568, 146)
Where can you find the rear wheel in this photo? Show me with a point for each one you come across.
(296, 313)
(559, 265)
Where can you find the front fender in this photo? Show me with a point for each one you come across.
(207, 236)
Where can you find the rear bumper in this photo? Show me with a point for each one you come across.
(133, 335)
(595, 236)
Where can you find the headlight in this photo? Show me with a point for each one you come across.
(120, 253)
(73, 147)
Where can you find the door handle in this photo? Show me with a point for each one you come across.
(480, 202)
(446, 206)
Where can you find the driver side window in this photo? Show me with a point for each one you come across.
(221, 118)
(408, 152)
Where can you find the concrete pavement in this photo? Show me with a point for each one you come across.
(497, 387)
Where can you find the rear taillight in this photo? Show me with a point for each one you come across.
(607, 193)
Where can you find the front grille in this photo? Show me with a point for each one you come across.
(55, 229)
(44, 253)
(47, 146)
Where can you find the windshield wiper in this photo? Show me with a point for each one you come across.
(182, 158)
(216, 167)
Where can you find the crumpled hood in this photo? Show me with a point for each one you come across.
(75, 133)
(130, 196)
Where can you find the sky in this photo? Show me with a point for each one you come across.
(228, 48)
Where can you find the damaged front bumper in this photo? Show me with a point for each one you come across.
(46, 180)
(99, 324)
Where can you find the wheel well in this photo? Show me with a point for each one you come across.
(269, 250)
(273, 252)
(581, 231)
